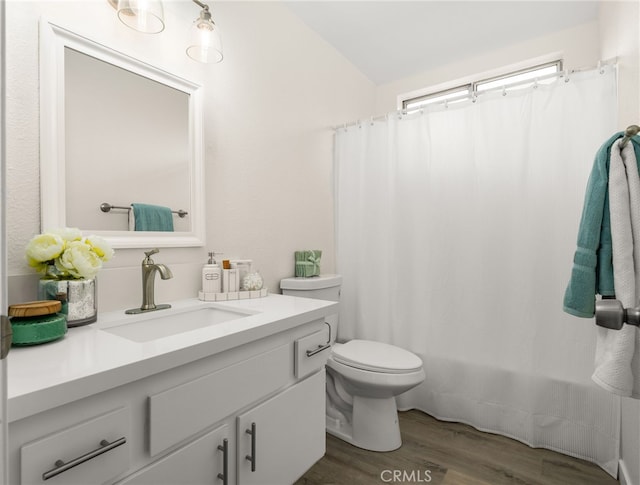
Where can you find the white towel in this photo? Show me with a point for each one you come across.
(132, 219)
(617, 351)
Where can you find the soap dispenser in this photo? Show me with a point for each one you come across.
(211, 276)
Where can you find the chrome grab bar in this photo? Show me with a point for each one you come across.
(61, 466)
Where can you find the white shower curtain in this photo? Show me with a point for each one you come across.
(455, 233)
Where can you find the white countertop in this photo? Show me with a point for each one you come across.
(89, 359)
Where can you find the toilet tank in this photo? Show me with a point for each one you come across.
(323, 287)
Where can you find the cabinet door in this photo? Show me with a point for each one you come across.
(202, 461)
(280, 439)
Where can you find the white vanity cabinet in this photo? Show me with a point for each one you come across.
(253, 414)
(274, 442)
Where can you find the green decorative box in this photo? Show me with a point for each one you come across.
(308, 262)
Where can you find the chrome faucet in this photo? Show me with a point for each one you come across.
(149, 269)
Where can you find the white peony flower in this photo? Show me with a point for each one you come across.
(43, 248)
(100, 247)
(79, 260)
(68, 233)
(65, 254)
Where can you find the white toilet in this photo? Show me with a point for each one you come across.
(363, 377)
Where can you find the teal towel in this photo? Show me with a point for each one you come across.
(152, 218)
(592, 271)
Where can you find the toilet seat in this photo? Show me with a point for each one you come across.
(376, 357)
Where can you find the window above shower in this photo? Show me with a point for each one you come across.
(522, 78)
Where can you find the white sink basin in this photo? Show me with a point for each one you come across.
(158, 324)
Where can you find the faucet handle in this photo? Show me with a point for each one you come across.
(151, 252)
(148, 255)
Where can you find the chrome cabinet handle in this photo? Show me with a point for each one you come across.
(62, 467)
(320, 348)
(224, 476)
(252, 456)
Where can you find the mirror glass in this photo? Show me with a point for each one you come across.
(126, 141)
(116, 131)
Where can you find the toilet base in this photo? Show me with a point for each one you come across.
(375, 425)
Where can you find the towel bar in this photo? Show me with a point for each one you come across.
(106, 207)
(628, 133)
(611, 314)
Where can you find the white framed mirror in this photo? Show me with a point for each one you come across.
(115, 131)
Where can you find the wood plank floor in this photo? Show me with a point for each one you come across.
(441, 453)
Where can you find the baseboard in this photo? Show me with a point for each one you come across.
(623, 474)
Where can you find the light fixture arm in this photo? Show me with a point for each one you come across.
(205, 14)
(200, 4)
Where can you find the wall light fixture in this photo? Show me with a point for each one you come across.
(205, 45)
(145, 16)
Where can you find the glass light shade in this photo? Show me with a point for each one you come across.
(142, 15)
(206, 44)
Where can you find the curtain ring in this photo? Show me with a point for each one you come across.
(504, 90)
(566, 75)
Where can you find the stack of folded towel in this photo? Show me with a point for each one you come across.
(308, 262)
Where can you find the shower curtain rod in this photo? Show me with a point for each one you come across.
(473, 96)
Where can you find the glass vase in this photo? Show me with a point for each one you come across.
(78, 297)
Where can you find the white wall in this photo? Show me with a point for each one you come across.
(269, 137)
(620, 37)
(269, 108)
(619, 24)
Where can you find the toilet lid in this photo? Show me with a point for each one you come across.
(376, 356)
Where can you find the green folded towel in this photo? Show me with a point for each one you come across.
(152, 217)
(308, 262)
(592, 271)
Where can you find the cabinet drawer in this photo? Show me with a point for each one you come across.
(180, 412)
(91, 452)
(311, 353)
